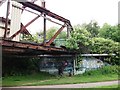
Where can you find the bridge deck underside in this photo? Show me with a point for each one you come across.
(14, 48)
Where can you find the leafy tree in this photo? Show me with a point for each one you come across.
(116, 34)
(78, 35)
(92, 27)
(102, 45)
(50, 32)
(110, 32)
(81, 38)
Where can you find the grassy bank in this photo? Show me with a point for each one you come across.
(20, 80)
(104, 74)
(37, 80)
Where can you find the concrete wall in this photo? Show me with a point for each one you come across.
(91, 63)
(88, 63)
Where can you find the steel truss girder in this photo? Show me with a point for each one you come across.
(45, 11)
(48, 13)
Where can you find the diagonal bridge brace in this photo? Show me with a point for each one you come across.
(23, 27)
(56, 34)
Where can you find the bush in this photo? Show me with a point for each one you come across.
(109, 70)
(103, 71)
(13, 66)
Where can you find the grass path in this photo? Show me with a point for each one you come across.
(35, 80)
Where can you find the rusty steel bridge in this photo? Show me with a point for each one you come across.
(18, 48)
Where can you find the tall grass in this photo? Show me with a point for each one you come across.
(103, 74)
(103, 71)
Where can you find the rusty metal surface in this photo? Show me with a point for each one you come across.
(45, 11)
(23, 48)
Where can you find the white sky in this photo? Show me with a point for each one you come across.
(77, 11)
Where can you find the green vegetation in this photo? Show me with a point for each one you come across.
(110, 32)
(107, 73)
(36, 80)
(103, 71)
(78, 35)
(76, 80)
(21, 79)
(13, 66)
(90, 38)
